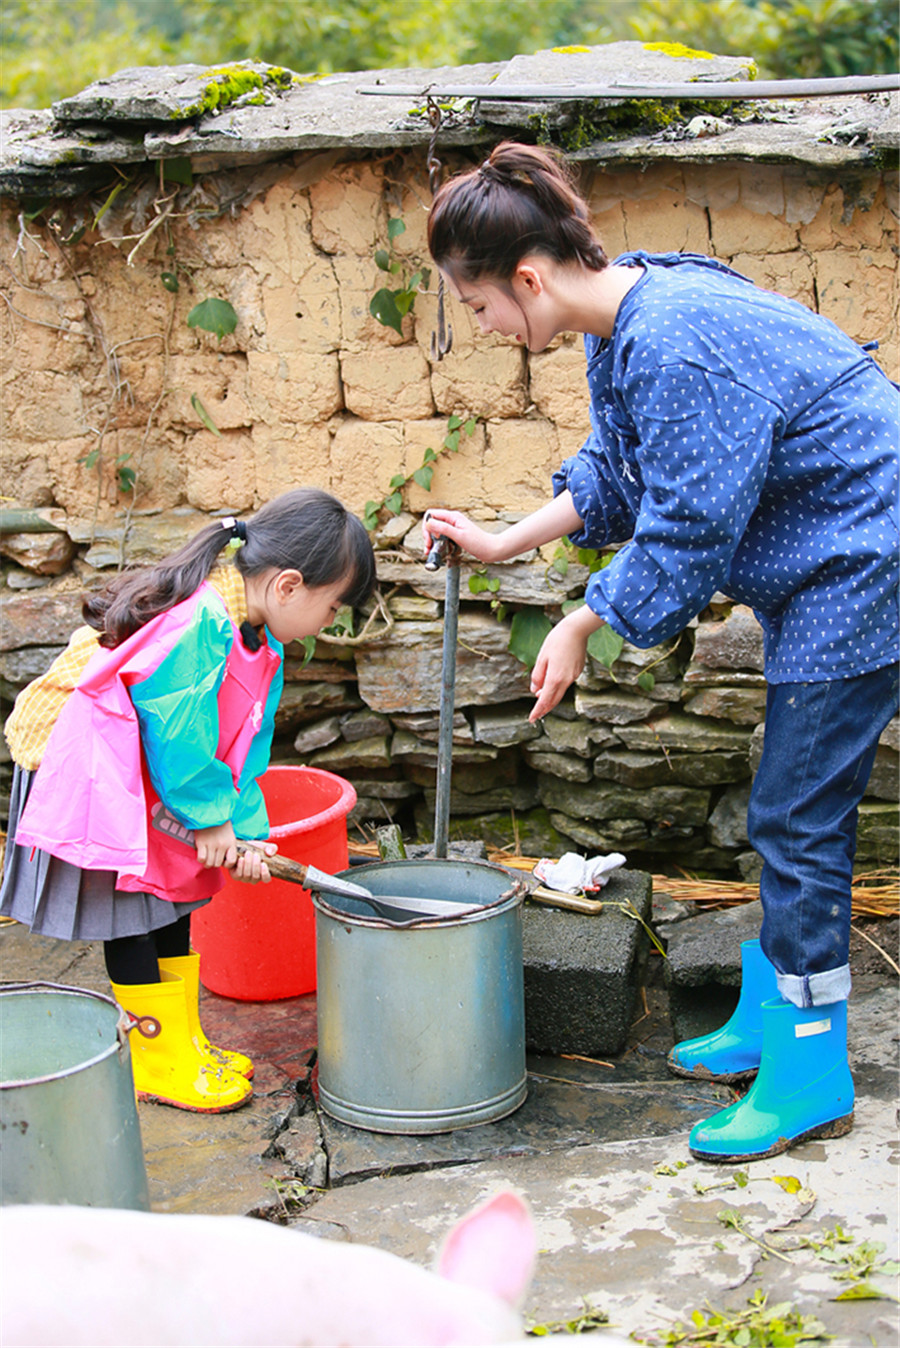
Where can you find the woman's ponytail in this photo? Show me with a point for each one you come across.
(521, 199)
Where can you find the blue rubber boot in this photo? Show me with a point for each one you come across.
(803, 1089)
(732, 1053)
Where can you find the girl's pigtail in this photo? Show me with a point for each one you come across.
(133, 599)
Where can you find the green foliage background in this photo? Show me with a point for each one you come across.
(54, 48)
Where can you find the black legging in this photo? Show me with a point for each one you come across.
(135, 959)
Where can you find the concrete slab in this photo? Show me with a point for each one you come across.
(627, 1221)
(635, 1229)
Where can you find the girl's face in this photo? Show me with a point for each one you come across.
(518, 309)
(292, 610)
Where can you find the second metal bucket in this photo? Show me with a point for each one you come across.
(422, 1027)
(68, 1118)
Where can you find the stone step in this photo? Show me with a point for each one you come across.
(703, 967)
(583, 971)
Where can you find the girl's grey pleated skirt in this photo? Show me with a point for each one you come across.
(55, 898)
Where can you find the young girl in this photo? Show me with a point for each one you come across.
(739, 442)
(137, 757)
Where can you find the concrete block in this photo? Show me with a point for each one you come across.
(582, 972)
(703, 967)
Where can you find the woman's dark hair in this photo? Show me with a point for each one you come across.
(306, 530)
(521, 200)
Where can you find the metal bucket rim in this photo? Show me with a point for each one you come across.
(477, 913)
(20, 989)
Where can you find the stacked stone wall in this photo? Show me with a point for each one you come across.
(101, 372)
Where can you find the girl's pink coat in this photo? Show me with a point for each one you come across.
(92, 802)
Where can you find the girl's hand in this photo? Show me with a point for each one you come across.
(215, 845)
(251, 867)
(478, 542)
(561, 659)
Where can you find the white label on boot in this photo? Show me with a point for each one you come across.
(811, 1028)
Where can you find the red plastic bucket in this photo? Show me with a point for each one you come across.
(257, 943)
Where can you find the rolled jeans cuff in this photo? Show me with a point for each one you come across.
(815, 989)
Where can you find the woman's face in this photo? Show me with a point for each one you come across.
(517, 309)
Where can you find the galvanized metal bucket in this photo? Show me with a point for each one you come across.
(69, 1130)
(422, 1025)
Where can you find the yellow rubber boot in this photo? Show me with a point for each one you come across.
(165, 1061)
(188, 968)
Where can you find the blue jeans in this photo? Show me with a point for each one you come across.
(820, 744)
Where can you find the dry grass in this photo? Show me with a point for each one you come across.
(874, 893)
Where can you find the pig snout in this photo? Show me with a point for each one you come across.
(94, 1276)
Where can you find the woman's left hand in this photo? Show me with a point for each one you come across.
(561, 659)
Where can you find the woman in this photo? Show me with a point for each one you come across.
(739, 442)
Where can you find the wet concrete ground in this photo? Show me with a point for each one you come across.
(627, 1221)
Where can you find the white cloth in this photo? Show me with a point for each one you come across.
(573, 874)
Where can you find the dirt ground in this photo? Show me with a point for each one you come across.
(865, 958)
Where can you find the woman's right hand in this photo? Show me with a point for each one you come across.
(458, 527)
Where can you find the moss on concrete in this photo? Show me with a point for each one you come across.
(229, 83)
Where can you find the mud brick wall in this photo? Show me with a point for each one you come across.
(101, 372)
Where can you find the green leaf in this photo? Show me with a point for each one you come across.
(646, 681)
(404, 300)
(178, 171)
(470, 425)
(383, 306)
(309, 649)
(863, 1291)
(394, 503)
(204, 415)
(398, 480)
(382, 259)
(370, 515)
(414, 281)
(423, 476)
(454, 422)
(605, 646)
(213, 315)
(343, 623)
(452, 441)
(90, 460)
(429, 456)
(478, 583)
(396, 227)
(528, 631)
(119, 187)
(170, 281)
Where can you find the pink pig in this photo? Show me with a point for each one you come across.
(93, 1276)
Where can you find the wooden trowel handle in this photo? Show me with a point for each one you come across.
(280, 868)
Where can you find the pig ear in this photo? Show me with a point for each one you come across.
(492, 1248)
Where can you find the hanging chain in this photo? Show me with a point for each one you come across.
(442, 339)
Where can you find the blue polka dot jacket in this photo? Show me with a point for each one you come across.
(742, 443)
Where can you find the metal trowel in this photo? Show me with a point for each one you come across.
(391, 909)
